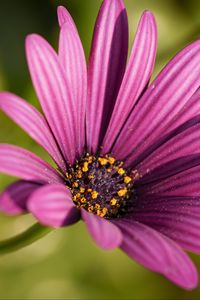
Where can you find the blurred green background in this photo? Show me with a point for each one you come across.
(66, 264)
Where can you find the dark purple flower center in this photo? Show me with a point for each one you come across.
(101, 185)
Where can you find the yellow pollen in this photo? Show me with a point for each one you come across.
(94, 194)
(97, 206)
(122, 192)
(127, 179)
(79, 174)
(108, 170)
(98, 212)
(103, 161)
(85, 166)
(89, 190)
(90, 176)
(82, 190)
(121, 171)
(78, 195)
(111, 160)
(103, 212)
(113, 201)
(83, 200)
(90, 208)
(75, 184)
(90, 159)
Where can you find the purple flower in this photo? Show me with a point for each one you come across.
(127, 155)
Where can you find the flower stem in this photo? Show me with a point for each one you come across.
(29, 236)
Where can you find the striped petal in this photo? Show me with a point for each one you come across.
(158, 253)
(27, 117)
(13, 200)
(171, 168)
(182, 141)
(19, 162)
(136, 77)
(166, 96)
(185, 183)
(105, 234)
(64, 17)
(72, 58)
(180, 223)
(106, 68)
(53, 92)
(52, 206)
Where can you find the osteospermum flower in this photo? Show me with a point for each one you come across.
(127, 155)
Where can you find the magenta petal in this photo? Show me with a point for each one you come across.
(182, 141)
(64, 17)
(105, 234)
(136, 76)
(53, 92)
(158, 253)
(106, 68)
(14, 198)
(175, 217)
(19, 162)
(185, 183)
(170, 168)
(165, 97)
(52, 205)
(26, 116)
(72, 58)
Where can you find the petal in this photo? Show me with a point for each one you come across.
(166, 96)
(158, 253)
(170, 168)
(64, 17)
(180, 222)
(105, 234)
(54, 94)
(72, 58)
(26, 116)
(13, 200)
(136, 76)
(106, 68)
(19, 162)
(52, 205)
(185, 183)
(181, 141)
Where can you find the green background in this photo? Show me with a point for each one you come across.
(67, 263)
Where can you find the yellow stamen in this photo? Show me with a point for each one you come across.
(111, 160)
(83, 200)
(90, 176)
(85, 166)
(90, 208)
(75, 184)
(79, 174)
(121, 171)
(97, 206)
(113, 201)
(103, 161)
(108, 170)
(103, 212)
(82, 190)
(122, 192)
(94, 194)
(127, 179)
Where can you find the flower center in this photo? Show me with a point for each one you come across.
(101, 185)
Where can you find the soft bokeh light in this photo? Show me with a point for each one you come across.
(66, 264)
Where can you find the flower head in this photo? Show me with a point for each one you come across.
(127, 155)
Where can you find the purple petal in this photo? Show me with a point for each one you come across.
(185, 183)
(106, 68)
(136, 77)
(54, 94)
(175, 217)
(14, 198)
(52, 205)
(72, 58)
(182, 141)
(166, 96)
(64, 17)
(26, 116)
(19, 162)
(171, 168)
(158, 253)
(105, 234)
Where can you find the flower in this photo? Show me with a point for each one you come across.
(127, 155)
